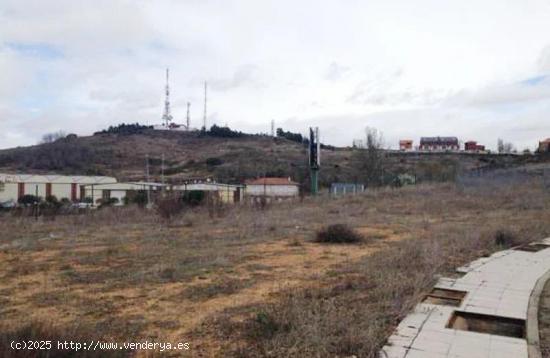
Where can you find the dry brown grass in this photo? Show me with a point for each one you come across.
(544, 320)
(252, 282)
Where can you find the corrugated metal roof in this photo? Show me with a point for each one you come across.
(270, 181)
(122, 186)
(206, 186)
(59, 179)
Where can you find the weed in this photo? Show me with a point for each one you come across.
(338, 233)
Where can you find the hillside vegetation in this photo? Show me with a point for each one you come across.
(228, 156)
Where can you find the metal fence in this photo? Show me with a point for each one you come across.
(337, 189)
(504, 177)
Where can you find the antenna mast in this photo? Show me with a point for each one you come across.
(314, 158)
(148, 181)
(273, 128)
(188, 116)
(205, 98)
(167, 116)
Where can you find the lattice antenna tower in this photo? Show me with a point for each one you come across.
(188, 116)
(167, 116)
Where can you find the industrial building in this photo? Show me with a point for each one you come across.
(439, 144)
(117, 192)
(15, 186)
(101, 189)
(271, 188)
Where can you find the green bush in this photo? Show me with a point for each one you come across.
(29, 200)
(50, 203)
(193, 197)
(140, 198)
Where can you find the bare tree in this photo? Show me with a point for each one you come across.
(509, 147)
(371, 159)
(52, 137)
(505, 147)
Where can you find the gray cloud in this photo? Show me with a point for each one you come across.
(508, 94)
(406, 68)
(245, 75)
(336, 71)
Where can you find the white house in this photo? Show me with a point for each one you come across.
(14, 186)
(274, 188)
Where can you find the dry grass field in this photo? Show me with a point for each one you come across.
(250, 282)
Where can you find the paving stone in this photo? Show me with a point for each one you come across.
(497, 285)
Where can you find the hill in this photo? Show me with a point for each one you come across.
(229, 159)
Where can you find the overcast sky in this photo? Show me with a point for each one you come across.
(474, 69)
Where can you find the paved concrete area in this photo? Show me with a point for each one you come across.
(499, 285)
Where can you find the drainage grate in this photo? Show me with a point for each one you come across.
(444, 296)
(496, 325)
(532, 247)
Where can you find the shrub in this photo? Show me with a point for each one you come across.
(51, 203)
(107, 202)
(506, 238)
(169, 207)
(214, 161)
(266, 325)
(193, 197)
(338, 233)
(140, 198)
(29, 200)
(65, 201)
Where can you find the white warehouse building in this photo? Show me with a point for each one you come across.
(108, 191)
(15, 186)
(274, 188)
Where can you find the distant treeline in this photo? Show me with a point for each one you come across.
(214, 131)
(224, 132)
(298, 138)
(125, 129)
(295, 137)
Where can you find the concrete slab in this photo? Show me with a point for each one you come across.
(498, 285)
